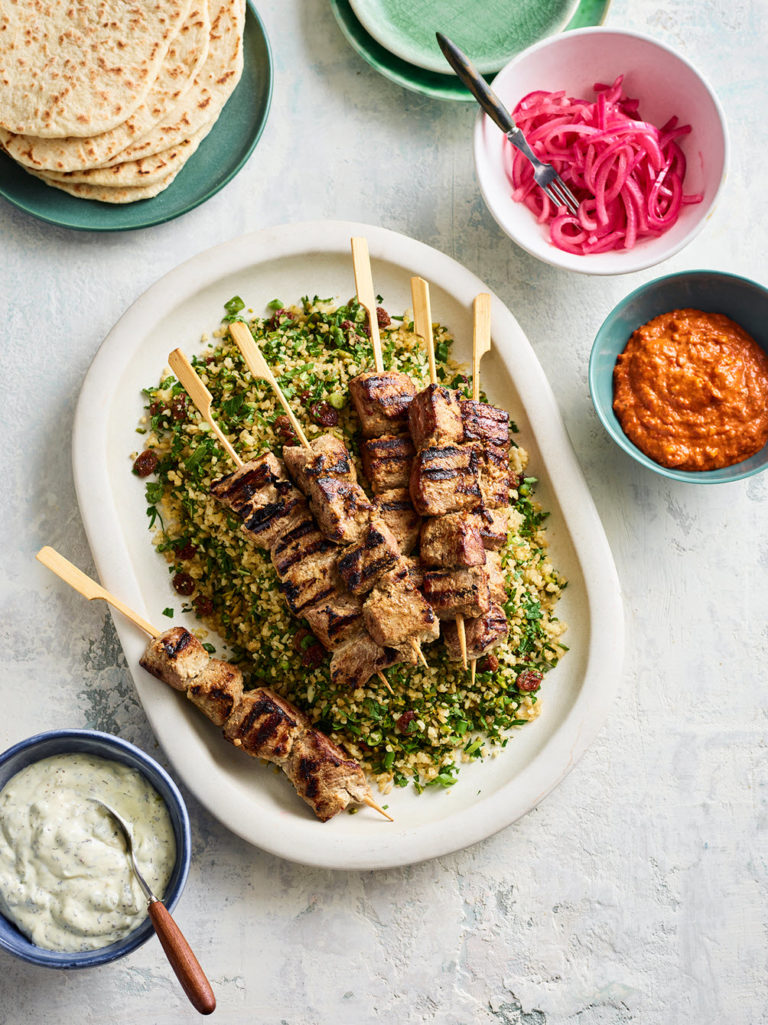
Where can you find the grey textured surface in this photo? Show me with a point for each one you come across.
(637, 891)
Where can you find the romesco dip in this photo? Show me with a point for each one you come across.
(691, 391)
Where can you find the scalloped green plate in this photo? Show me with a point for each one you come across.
(439, 86)
(220, 156)
(491, 31)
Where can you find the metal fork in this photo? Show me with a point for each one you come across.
(545, 176)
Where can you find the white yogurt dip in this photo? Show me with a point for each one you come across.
(65, 879)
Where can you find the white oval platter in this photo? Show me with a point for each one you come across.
(248, 797)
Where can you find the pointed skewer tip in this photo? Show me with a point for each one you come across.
(372, 804)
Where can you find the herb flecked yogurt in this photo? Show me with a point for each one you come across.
(65, 879)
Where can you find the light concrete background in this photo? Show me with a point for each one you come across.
(637, 891)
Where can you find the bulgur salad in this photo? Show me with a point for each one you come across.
(434, 719)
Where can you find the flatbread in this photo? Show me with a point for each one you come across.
(213, 86)
(185, 58)
(80, 67)
(133, 173)
(103, 194)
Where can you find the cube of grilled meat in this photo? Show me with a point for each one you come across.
(309, 581)
(454, 592)
(334, 619)
(382, 401)
(395, 612)
(493, 525)
(176, 657)
(269, 522)
(252, 485)
(356, 661)
(445, 479)
(217, 690)
(297, 544)
(497, 581)
(329, 458)
(376, 552)
(324, 776)
(494, 475)
(434, 417)
(484, 422)
(452, 540)
(396, 509)
(483, 634)
(264, 725)
(416, 571)
(342, 509)
(387, 461)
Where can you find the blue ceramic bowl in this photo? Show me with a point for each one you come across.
(744, 301)
(104, 745)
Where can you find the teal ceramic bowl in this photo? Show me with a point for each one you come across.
(744, 301)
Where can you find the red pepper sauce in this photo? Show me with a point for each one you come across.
(691, 391)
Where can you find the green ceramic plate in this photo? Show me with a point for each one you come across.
(220, 156)
(489, 31)
(443, 87)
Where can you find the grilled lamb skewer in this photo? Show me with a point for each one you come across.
(264, 724)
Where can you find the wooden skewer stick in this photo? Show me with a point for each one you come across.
(259, 367)
(89, 589)
(422, 325)
(481, 343)
(361, 263)
(201, 397)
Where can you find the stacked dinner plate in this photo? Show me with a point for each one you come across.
(397, 37)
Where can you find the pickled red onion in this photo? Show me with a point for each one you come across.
(627, 174)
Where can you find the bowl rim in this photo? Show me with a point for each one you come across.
(723, 475)
(555, 257)
(163, 783)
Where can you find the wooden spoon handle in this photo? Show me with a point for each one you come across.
(181, 959)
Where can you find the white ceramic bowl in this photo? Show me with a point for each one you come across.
(665, 84)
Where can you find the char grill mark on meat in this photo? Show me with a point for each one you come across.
(483, 634)
(452, 540)
(396, 509)
(493, 525)
(217, 690)
(296, 546)
(266, 524)
(342, 509)
(494, 476)
(485, 423)
(396, 611)
(323, 777)
(260, 722)
(309, 581)
(444, 479)
(434, 418)
(329, 458)
(454, 592)
(387, 461)
(363, 563)
(355, 661)
(382, 401)
(254, 482)
(176, 657)
(333, 621)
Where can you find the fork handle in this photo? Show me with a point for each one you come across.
(476, 84)
(181, 959)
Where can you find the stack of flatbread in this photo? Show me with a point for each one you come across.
(108, 99)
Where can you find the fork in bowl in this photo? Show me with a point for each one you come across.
(545, 176)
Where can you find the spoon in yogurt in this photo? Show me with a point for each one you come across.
(177, 950)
